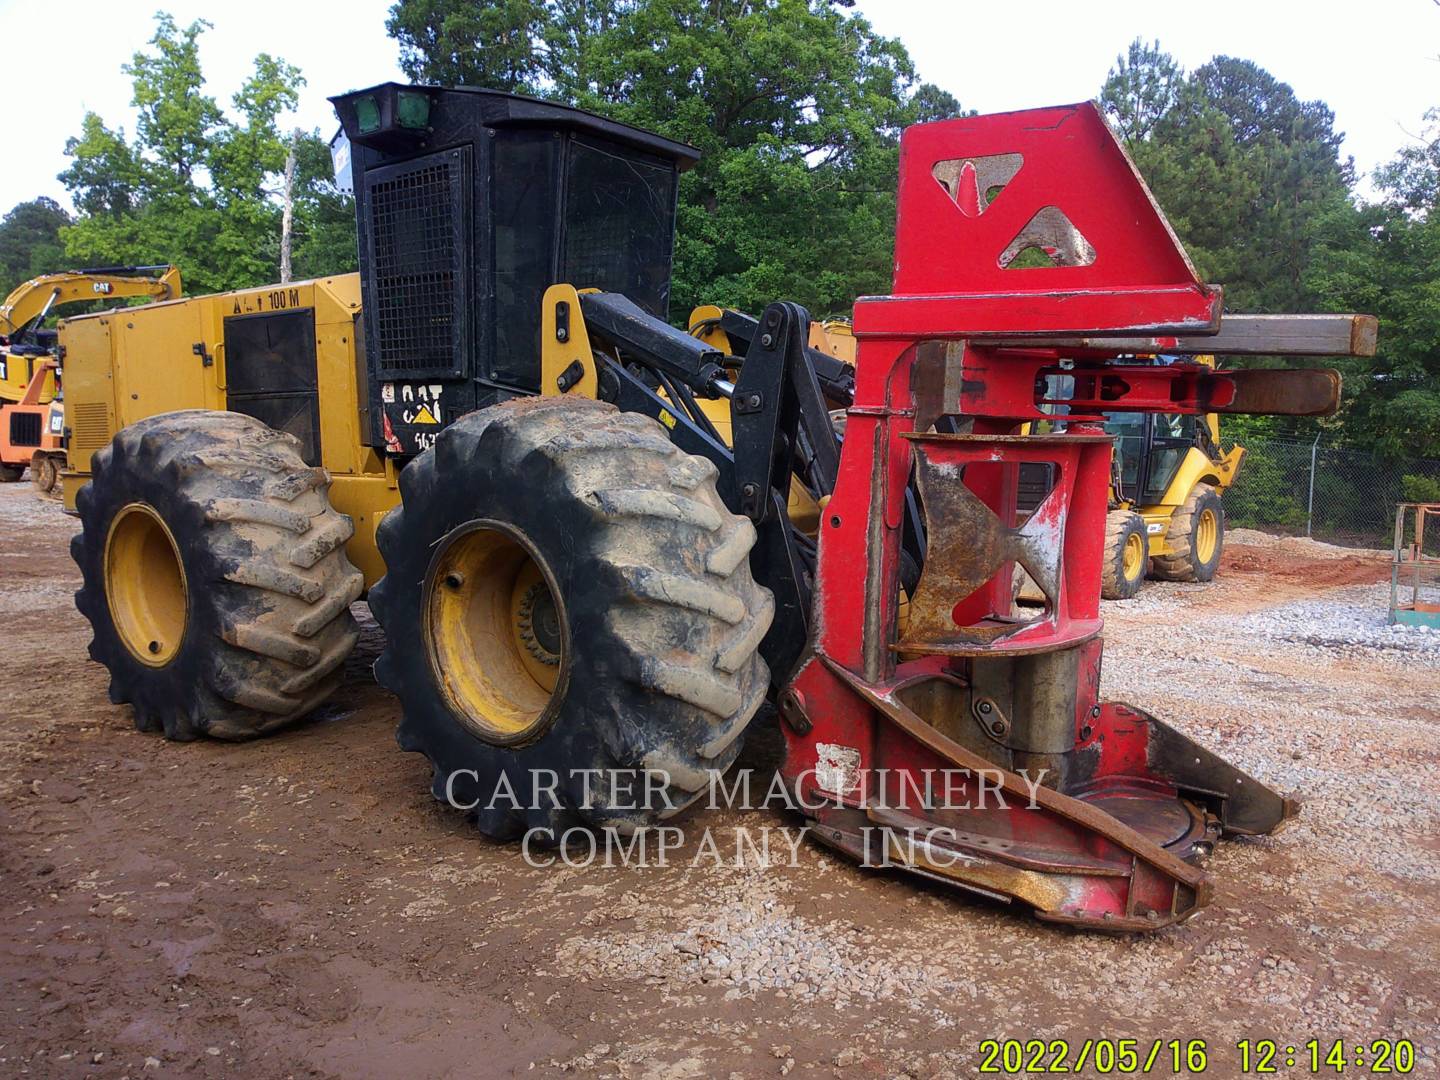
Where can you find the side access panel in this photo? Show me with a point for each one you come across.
(270, 374)
(157, 367)
(89, 388)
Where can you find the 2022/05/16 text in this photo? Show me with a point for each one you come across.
(1174, 1057)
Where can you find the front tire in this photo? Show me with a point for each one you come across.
(1196, 538)
(44, 472)
(1126, 553)
(214, 575)
(566, 532)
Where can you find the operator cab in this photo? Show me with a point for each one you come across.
(1149, 450)
(469, 204)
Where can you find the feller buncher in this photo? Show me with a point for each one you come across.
(31, 413)
(494, 431)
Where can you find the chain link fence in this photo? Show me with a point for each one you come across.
(1340, 496)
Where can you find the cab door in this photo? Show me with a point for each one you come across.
(1171, 437)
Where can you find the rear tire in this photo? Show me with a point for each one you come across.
(655, 627)
(11, 474)
(1196, 538)
(44, 472)
(215, 576)
(1126, 551)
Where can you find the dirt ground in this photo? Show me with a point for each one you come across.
(301, 907)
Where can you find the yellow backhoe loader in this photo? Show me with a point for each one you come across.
(1168, 473)
(1167, 517)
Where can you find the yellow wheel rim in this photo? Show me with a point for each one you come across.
(495, 631)
(1133, 559)
(1207, 535)
(145, 585)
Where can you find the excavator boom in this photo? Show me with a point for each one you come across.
(28, 305)
(39, 296)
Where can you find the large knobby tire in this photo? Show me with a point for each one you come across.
(1196, 538)
(215, 576)
(11, 474)
(1126, 555)
(655, 620)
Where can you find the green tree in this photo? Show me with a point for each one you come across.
(796, 106)
(193, 186)
(1384, 258)
(30, 242)
(324, 215)
(1245, 170)
(492, 44)
(1142, 87)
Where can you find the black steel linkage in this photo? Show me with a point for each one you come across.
(680, 393)
(628, 392)
(653, 342)
(765, 410)
(817, 433)
(779, 562)
(836, 378)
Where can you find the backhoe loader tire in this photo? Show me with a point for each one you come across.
(657, 620)
(44, 472)
(1126, 555)
(11, 474)
(1196, 537)
(206, 532)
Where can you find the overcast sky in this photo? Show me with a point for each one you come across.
(1377, 63)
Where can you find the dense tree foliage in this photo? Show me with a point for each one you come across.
(1385, 258)
(30, 242)
(797, 106)
(1253, 180)
(1244, 169)
(194, 186)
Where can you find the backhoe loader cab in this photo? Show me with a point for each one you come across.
(1167, 481)
(470, 204)
(1168, 473)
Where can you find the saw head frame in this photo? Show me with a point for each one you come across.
(969, 741)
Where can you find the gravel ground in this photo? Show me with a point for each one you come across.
(301, 907)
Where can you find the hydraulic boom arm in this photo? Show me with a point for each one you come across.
(31, 302)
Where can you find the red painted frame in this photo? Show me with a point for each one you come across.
(950, 285)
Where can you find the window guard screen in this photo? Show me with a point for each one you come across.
(418, 244)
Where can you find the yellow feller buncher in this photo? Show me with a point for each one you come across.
(599, 545)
